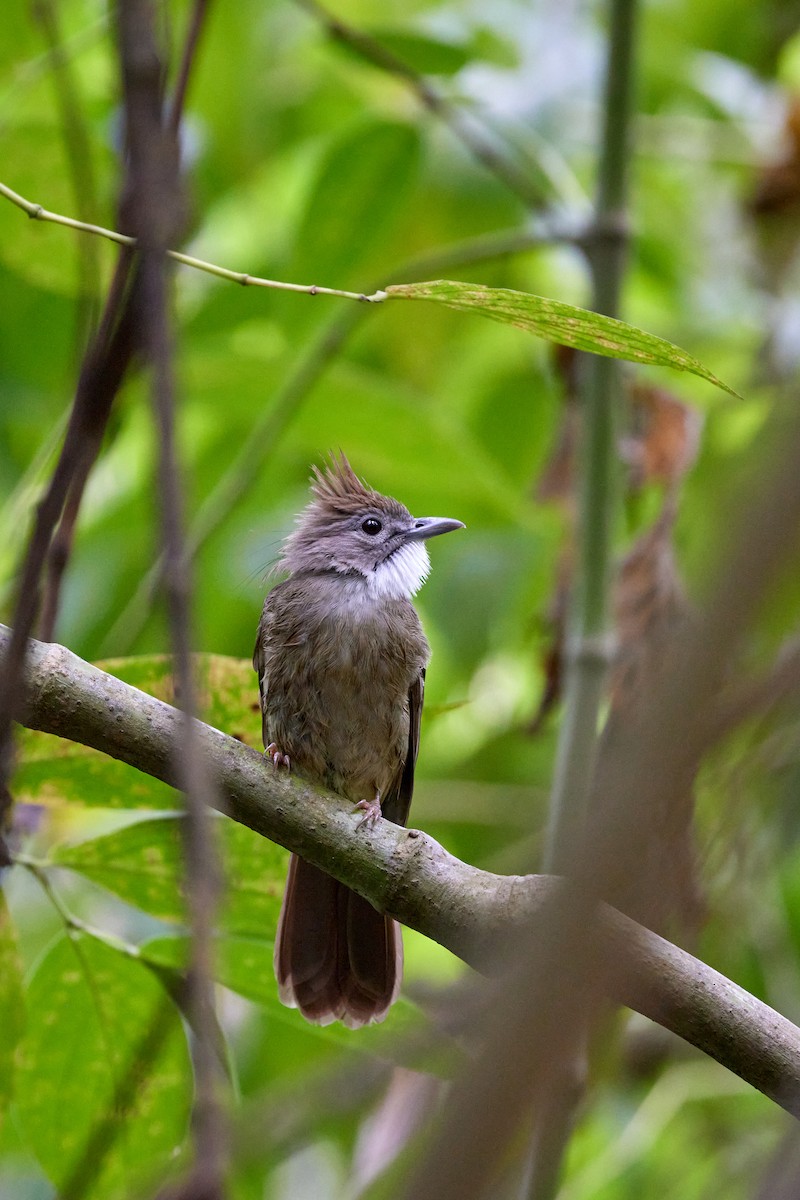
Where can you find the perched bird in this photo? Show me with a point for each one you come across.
(341, 657)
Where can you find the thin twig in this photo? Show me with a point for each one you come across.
(114, 346)
(155, 212)
(37, 213)
(758, 697)
(486, 248)
(115, 318)
(194, 30)
(94, 394)
(468, 131)
(120, 354)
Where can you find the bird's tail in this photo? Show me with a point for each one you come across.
(336, 957)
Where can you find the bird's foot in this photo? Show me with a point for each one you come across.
(276, 757)
(371, 810)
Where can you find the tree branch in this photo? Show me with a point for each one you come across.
(408, 874)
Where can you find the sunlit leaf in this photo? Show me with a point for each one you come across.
(12, 1006)
(244, 964)
(227, 692)
(54, 771)
(79, 775)
(143, 864)
(105, 1079)
(565, 324)
(493, 47)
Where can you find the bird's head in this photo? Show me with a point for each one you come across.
(350, 528)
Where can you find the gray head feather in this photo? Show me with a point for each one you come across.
(354, 530)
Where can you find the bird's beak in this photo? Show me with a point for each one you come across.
(428, 527)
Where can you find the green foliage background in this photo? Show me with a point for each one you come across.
(307, 164)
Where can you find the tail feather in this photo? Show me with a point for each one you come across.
(336, 957)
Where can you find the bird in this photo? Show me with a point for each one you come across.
(341, 658)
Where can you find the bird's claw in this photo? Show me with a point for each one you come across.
(371, 810)
(276, 757)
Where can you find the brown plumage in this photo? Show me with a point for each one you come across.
(341, 658)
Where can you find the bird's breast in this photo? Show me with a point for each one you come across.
(336, 695)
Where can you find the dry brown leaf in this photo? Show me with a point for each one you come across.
(777, 187)
(665, 436)
(660, 447)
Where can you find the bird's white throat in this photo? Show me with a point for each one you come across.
(401, 575)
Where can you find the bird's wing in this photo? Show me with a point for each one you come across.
(397, 801)
(259, 664)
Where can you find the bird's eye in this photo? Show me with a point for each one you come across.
(372, 526)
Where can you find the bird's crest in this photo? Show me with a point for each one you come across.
(339, 495)
(337, 489)
(337, 483)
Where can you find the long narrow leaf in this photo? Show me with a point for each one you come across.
(558, 322)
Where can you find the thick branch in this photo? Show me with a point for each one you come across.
(406, 873)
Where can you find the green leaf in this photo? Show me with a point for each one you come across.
(789, 884)
(53, 771)
(565, 324)
(245, 966)
(78, 775)
(105, 1080)
(226, 689)
(12, 1006)
(490, 46)
(143, 865)
(357, 194)
(424, 54)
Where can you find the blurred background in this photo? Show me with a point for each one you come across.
(305, 161)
